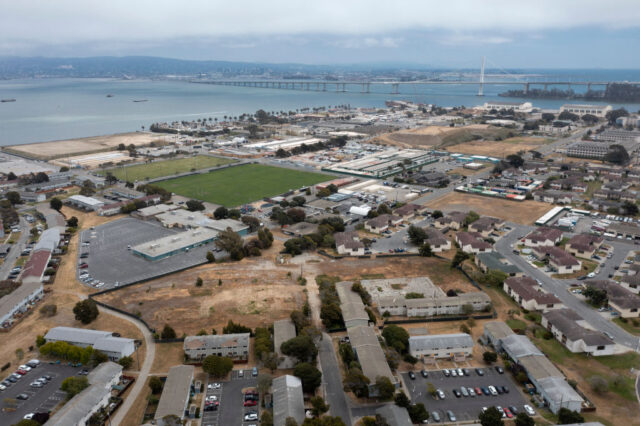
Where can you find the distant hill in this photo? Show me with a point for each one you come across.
(141, 66)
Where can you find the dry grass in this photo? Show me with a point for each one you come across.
(136, 412)
(167, 355)
(524, 212)
(253, 292)
(425, 136)
(65, 148)
(493, 148)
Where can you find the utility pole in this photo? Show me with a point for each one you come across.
(481, 91)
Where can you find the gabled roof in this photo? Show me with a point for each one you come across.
(288, 400)
(566, 321)
(440, 341)
(528, 289)
(496, 261)
(544, 234)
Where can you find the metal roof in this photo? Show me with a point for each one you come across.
(440, 341)
(176, 391)
(79, 335)
(288, 400)
(518, 346)
(364, 341)
(8, 302)
(216, 341)
(557, 390)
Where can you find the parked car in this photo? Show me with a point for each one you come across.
(22, 396)
(493, 390)
(529, 410)
(440, 393)
(446, 372)
(457, 393)
(480, 371)
(424, 373)
(435, 416)
(499, 369)
(451, 416)
(412, 375)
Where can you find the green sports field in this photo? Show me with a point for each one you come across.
(166, 168)
(241, 184)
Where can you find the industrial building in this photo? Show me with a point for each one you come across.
(386, 163)
(174, 244)
(599, 111)
(84, 203)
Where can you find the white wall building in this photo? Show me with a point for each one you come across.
(104, 341)
(441, 345)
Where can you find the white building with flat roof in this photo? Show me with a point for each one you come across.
(104, 341)
(578, 109)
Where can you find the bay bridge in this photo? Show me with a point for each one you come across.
(393, 86)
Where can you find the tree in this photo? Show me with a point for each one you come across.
(471, 217)
(252, 222)
(459, 257)
(356, 382)
(416, 235)
(384, 209)
(523, 419)
(385, 388)
(548, 117)
(168, 332)
(402, 400)
(233, 328)
(319, 407)
(72, 222)
(467, 309)
(194, 205)
(595, 296)
(12, 176)
(567, 417)
(199, 282)
(418, 413)
(630, 208)
(599, 384)
(310, 376)
(210, 257)
(300, 320)
(13, 197)
(86, 311)
(264, 383)
(55, 203)
(217, 366)
(126, 362)
(266, 419)
(491, 417)
(27, 422)
(231, 242)
(301, 347)
(515, 160)
(566, 115)
(613, 115)
(436, 214)
(378, 420)
(396, 337)
(155, 384)
(296, 215)
(489, 357)
(589, 119)
(74, 385)
(617, 154)
(221, 213)
(425, 250)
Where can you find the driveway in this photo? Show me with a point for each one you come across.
(332, 381)
(16, 248)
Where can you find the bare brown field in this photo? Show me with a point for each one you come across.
(64, 292)
(69, 147)
(424, 136)
(253, 292)
(524, 212)
(437, 270)
(493, 148)
(464, 172)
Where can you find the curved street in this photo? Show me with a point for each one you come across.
(144, 370)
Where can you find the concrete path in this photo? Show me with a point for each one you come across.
(144, 371)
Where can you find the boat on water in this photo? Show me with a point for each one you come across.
(7, 100)
(109, 95)
(140, 100)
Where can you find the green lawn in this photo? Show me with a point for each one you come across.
(516, 324)
(241, 184)
(166, 168)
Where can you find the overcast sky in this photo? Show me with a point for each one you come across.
(451, 33)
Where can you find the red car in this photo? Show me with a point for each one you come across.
(507, 412)
(84, 266)
(250, 403)
(478, 391)
(21, 372)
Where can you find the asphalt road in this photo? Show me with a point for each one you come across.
(332, 381)
(16, 248)
(559, 287)
(232, 410)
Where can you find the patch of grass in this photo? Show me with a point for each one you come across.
(198, 292)
(628, 326)
(516, 324)
(242, 184)
(166, 168)
(539, 264)
(627, 389)
(623, 362)
(372, 276)
(555, 351)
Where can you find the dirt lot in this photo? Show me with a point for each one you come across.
(498, 149)
(437, 270)
(248, 294)
(424, 136)
(63, 148)
(64, 293)
(523, 212)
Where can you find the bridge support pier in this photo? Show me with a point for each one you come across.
(526, 88)
(394, 88)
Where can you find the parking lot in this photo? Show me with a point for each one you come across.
(464, 407)
(231, 410)
(41, 399)
(110, 261)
